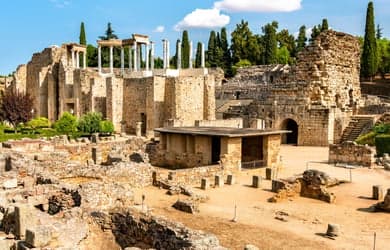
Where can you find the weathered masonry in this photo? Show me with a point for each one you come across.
(185, 147)
(315, 98)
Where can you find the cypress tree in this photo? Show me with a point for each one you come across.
(212, 50)
(82, 37)
(378, 32)
(369, 56)
(198, 55)
(325, 25)
(173, 60)
(185, 50)
(270, 43)
(227, 63)
(301, 40)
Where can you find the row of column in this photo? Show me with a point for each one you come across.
(135, 57)
(76, 59)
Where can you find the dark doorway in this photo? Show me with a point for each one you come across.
(143, 126)
(252, 149)
(290, 138)
(215, 149)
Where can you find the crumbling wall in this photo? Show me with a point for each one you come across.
(351, 153)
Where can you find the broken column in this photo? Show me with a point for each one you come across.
(138, 129)
(377, 192)
(256, 181)
(230, 179)
(24, 218)
(96, 155)
(204, 184)
(218, 181)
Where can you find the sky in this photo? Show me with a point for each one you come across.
(29, 26)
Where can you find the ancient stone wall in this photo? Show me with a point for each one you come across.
(351, 153)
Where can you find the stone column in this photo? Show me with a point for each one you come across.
(178, 55)
(77, 59)
(84, 59)
(135, 56)
(202, 56)
(152, 55)
(168, 54)
(111, 59)
(164, 54)
(147, 57)
(139, 56)
(122, 61)
(190, 62)
(130, 61)
(73, 64)
(100, 59)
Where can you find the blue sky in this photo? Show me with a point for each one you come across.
(28, 26)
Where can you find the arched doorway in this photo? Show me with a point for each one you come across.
(290, 138)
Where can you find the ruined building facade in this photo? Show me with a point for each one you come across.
(59, 82)
(314, 100)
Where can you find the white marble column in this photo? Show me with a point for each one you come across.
(84, 59)
(111, 59)
(77, 59)
(73, 64)
(202, 56)
(100, 59)
(147, 57)
(135, 56)
(178, 66)
(130, 61)
(164, 53)
(190, 58)
(168, 56)
(139, 56)
(122, 61)
(152, 55)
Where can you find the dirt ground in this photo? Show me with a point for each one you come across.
(307, 219)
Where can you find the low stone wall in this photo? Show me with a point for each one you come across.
(193, 176)
(351, 153)
(131, 227)
(228, 123)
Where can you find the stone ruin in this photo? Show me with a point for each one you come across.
(56, 200)
(384, 205)
(312, 184)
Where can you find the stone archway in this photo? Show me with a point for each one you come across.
(290, 138)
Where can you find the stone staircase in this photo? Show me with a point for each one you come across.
(358, 125)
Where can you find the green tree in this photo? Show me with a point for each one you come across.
(226, 56)
(316, 30)
(285, 39)
(302, 39)
(325, 25)
(106, 127)
(66, 124)
(270, 42)
(369, 55)
(173, 60)
(383, 52)
(109, 33)
(198, 55)
(245, 45)
(283, 55)
(92, 56)
(82, 37)
(378, 32)
(90, 122)
(185, 50)
(212, 50)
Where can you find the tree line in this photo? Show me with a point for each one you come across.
(246, 48)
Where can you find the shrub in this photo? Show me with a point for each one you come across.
(66, 124)
(382, 128)
(106, 127)
(382, 143)
(39, 122)
(368, 138)
(90, 123)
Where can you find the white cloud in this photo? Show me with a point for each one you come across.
(203, 18)
(258, 5)
(60, 3)
(159, 29)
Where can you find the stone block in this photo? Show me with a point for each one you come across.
(256, 181)
(218, 181)
(6, 244)
(231, 180)
(187, 206)
(39, 236)
(277, 185)
(205, 184)
(96, 155)
(28, 182)
(377, 192)
(11, 183)
(268, 173)
(24, 218)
